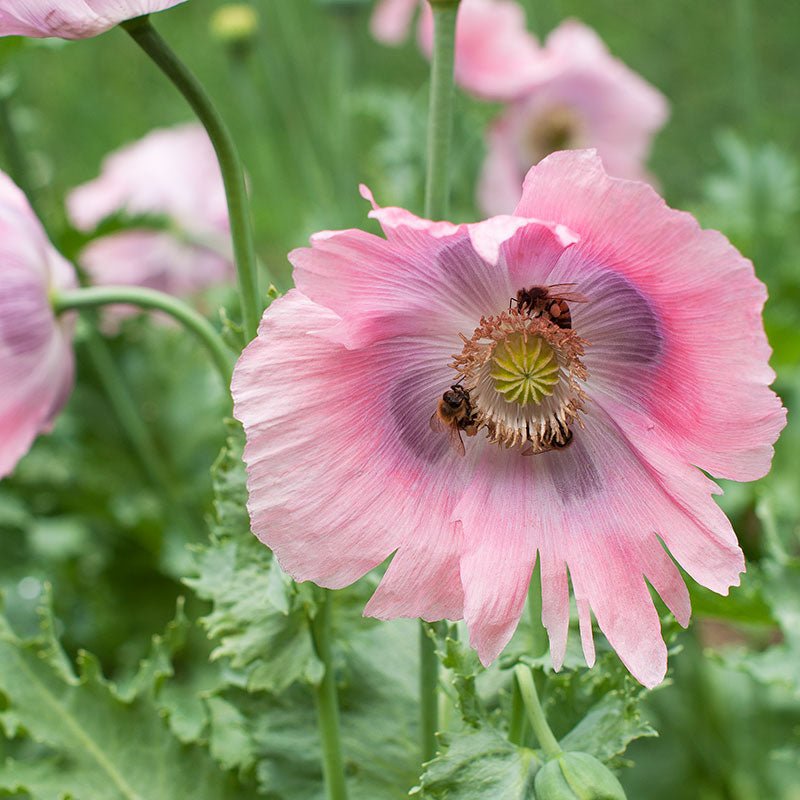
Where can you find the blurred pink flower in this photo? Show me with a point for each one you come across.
(171, 173)
(72, 19)
(391, 20)
(36, 360)
(495, 56)
(581, 97)
(605, 421)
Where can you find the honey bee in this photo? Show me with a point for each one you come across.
(562, 439)
(453, 415)
(549, 302)
(557, 440)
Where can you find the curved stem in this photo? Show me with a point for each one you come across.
(536, 716)
(125, 408)
(428, 693)
(78, 299)
(440, 113)
(328, 702)
(160, 52)
(516, 725)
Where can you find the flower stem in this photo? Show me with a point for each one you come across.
(536, 716)
(440, 112)
(15, 156)
(437, 191)
(746, 65)
(516, 725)
(428, 693)
(78, 299)
(328, 702)
(126, 411)
(159, 51)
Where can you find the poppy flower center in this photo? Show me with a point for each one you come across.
(557, 128)
(522, 375)
(525, 369)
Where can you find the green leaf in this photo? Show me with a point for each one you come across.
(157, 667)
(479, 764)
(609, 727)
(376, 677)
(230, 743)
(464, 665)
(260, 619)
(229, 480)
(94, 744)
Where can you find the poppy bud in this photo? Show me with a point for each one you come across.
(576, 776)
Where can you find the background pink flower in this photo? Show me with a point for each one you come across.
(36, 360)
(494, 53)
(580, 97)
(337, 391)
(391, 20)
(72, 19)
(170, 173)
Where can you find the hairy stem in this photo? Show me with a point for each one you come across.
(160, 52)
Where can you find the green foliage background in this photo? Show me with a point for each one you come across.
(316, 107)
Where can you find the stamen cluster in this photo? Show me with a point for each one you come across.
(523, 375)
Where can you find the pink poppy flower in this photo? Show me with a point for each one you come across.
(581, 97)
(391, 20)
(72, 19)
(495, 56)
(172, 173)
(581, 411)
(36, 360)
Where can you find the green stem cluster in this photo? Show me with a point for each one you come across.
(162, 55)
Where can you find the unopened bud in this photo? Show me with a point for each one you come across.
(234, 23)
(576, 776)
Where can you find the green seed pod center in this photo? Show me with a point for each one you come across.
(525, 369)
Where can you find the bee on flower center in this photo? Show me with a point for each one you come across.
(453, 415)
(549, 302)
(558, 437)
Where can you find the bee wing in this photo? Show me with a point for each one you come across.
(573, 297)
(438, 425)
(557, 290)
(456, 442)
